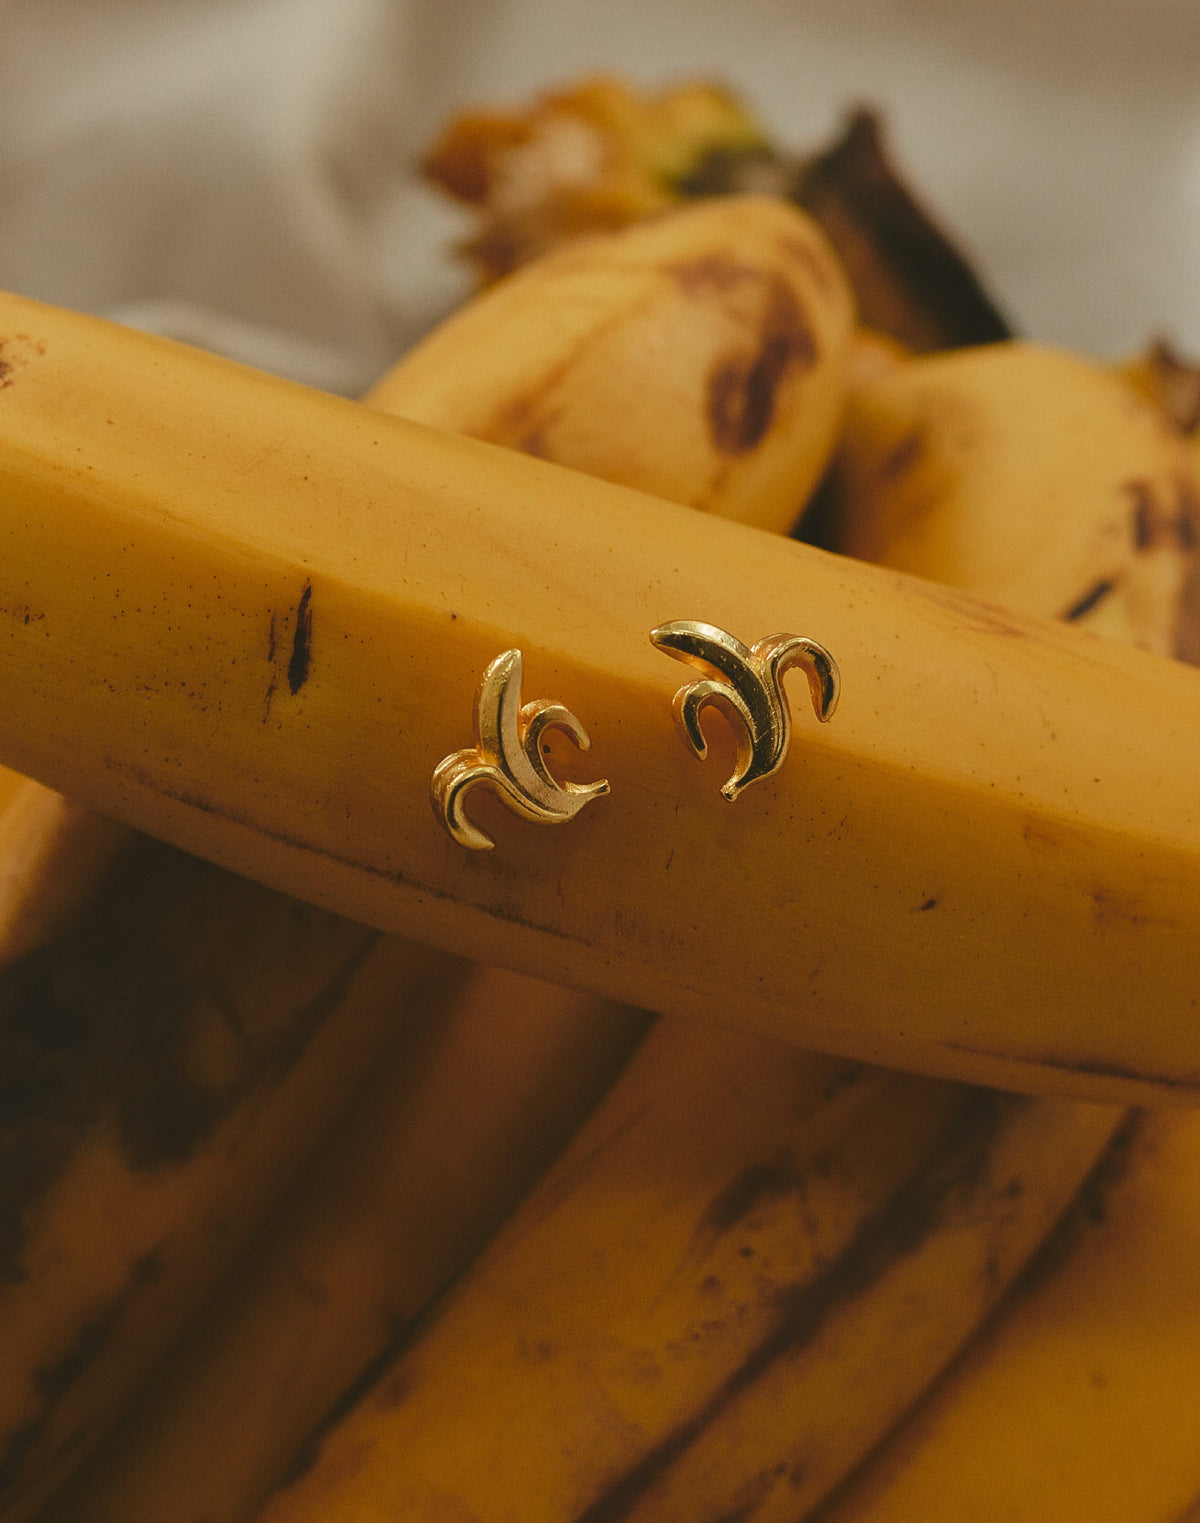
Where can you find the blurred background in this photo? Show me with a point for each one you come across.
(240, 173)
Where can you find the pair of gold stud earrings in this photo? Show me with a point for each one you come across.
(745, 683)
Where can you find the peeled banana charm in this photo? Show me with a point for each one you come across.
(508, 756)
(746, 685)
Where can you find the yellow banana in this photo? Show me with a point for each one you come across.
(502, 1075)
(996, 460)
(168, 1059)
(405, 1189)
(264, 1350)
(642, 1375)
(746, 1265)
(1001, 806)
(1082, 1398)
(730, 326)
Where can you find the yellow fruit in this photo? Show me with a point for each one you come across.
(1002, 809)
(1030, 474)
(168, 1058)
(747, 1265)
(466, 1107)
(1082, 1398)
(911, 1180)
(729, 325)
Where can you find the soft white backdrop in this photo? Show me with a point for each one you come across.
(238, 172)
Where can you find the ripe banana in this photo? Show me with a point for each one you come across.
(1031, 475)
(1082, 1398)
(730, 325)
(502, 1076)
(168, 1059)
(408, 1186)
(749, 1261)
(1001, 807)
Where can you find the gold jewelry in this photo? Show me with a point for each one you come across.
(507, 755)
(746, 684)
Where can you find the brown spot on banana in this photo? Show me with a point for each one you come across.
(51, 1382)
(754, 1185)
(14, 352)
(743, 387)
(301, 657)
(1092, 598)
(1154, 526)
(903, 456)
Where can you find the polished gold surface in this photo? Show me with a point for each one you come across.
(507, 754)
(746, 684)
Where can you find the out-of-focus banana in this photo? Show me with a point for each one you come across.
(996, 460)
(407, 1187)
(729, 325)
(168, 1058)
(1082, 1396)
(1081, 1399)
(748, 1264)
(333, 583)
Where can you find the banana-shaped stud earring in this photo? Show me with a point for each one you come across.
(746, 684)
(507, 755)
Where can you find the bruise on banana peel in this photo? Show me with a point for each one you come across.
(959, 739)
(742, 301)
(601, 154)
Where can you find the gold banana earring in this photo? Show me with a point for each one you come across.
(745, 683)
(507, 756)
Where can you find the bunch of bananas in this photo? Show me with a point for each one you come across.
(307, 1223)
